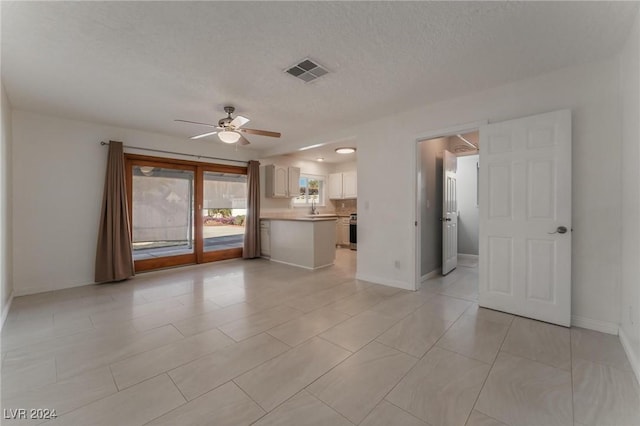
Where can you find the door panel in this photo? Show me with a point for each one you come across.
(224, 210)
(500, 265)
(449, 213)
(161, 197)
(525, 195)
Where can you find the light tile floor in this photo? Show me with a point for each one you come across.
(254, 342)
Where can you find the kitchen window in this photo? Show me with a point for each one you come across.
(312, 188)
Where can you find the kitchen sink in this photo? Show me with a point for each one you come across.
(322, 215)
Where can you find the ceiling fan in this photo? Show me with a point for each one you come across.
(230, 129)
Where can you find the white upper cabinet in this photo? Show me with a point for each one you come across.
(281, 182)
(350, 185)
(335, 186)
(343, 185)
(294, 182)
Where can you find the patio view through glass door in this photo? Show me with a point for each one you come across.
(224, 210)
(184, 212)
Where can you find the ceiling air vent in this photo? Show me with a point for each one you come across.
(307, 70)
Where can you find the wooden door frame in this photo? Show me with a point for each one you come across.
(198, 168)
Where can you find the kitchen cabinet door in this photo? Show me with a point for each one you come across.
(335, 186)
(265, 238)
(349, 185)
(277, 181)
(293, 189)
(281, 181)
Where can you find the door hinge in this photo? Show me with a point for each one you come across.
(416, 223)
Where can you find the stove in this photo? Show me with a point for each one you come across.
(353, 231)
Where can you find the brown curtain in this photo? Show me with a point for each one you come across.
(114, 258)
(252, 222)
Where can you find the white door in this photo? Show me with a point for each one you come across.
(525, 217)
(449, 213)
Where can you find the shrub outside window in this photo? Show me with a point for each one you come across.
(311, 188)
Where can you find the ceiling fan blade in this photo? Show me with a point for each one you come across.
(243, 141)
(239, 121)
(260, 132)
(196, 122)
(204, 135)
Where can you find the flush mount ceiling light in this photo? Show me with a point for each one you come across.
(345, 150)
(227, 136)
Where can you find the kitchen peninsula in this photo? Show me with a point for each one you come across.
(307, 242)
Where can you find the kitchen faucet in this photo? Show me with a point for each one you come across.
(313, 206)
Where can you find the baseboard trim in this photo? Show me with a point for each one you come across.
(5, 310)
(300, 266)
(596, 325)
(634, 358)
(36, 290)
(468, 256)
(385, 281)
(431, 274)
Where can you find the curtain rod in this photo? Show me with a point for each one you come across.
(179, 153)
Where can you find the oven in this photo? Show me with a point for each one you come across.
(353, 231)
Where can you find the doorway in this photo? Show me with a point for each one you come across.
(184, 212)
(525, 216)
(436, 223)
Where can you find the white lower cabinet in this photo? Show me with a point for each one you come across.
(342, 231)
(265, 238)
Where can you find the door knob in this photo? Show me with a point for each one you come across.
(559, 230)
(445, 219)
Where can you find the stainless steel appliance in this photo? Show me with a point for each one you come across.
(353, 231)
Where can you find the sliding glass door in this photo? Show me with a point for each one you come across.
(224, 210)
(184, 212)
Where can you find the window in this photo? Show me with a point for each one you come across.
(311, 189)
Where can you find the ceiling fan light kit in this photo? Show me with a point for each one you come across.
(228, 136)
(229, 128)
(345, 150)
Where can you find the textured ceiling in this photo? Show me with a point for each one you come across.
(143, 64)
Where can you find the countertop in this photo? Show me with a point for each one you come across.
(301, 219)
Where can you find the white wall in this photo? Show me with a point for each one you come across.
(58, 179)
(387, 178)
(630, 211)
(283, 207)
(467, 190)
(350, 166)
(6, 276)
(430, 187)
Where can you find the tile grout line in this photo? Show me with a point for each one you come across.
(176, 386)
(186, 401)
(249, 396)
(113, 378)
(484, 382)
(400, 408)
